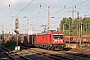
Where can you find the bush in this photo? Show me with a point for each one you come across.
(9, 44)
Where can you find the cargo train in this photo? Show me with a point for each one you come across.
(74, 39)
(49, 40)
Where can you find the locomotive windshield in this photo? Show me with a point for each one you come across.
(58, 36)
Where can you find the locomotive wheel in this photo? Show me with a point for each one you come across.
(48, 48)
(52, 48)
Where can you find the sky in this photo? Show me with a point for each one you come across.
(36, 13)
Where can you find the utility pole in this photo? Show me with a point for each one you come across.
(69, 32)
(86, 28)
(73, 12)
(48, 18)
(81, 28)
(58, 28)
(72, 20)
(63, 26)
(3, 32)
(27, 26)
(78, 28)
(32, 27)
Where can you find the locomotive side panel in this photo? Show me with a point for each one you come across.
(43, 39)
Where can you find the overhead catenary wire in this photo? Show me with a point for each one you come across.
(46, 10)
(21, 10)
(65, 8)
(71, 6)
(46, 16)
(54, 4)
(12, 10)
(58, 11)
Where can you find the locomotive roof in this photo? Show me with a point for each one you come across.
(47, 33)
(42, 33)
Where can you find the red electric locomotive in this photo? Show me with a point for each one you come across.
(50, 40)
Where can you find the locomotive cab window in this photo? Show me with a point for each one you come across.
(58, 36)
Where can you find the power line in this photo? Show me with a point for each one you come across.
(25, 6)
(12, 10)
(21, 10)
(66, 8)
(54, 4)
(53, 13)
(71, 6)
(45, 10)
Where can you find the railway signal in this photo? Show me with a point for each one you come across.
(16, 26)
(17, 32)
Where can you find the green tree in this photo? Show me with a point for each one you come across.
(84, 22)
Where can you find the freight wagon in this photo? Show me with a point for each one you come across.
(74, 39)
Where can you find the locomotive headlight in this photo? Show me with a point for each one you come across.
(55, 40)
(62, 41)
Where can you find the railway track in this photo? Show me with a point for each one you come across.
(7, 55)
(20, 57)
(58, 55)
(29, 54)
(50, 55)
(77, 54)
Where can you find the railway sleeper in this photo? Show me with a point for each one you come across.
(62, 56)
(25, 58)
(12, 57)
